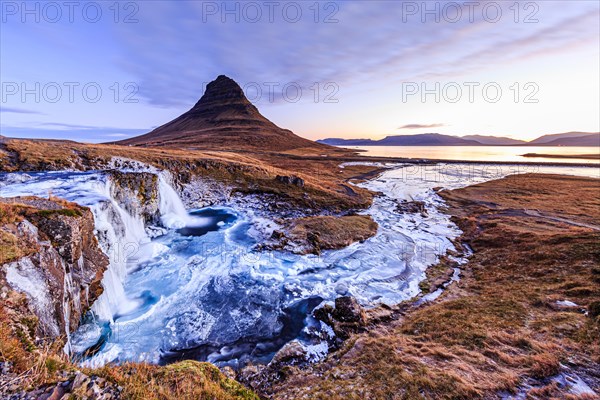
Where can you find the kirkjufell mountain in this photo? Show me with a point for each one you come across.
(223, 119)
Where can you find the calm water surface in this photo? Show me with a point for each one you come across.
(481, 153)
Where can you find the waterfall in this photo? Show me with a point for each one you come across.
(123, 238)
(120, 235)
(68, 291)
(119, 228)
(172, 211)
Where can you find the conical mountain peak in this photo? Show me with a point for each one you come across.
(222, 89)
(223, 119)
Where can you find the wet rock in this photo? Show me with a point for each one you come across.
(346, 318)
(229, 372)
(323, 313)
(594, 309)
(61, 271)
(57, 393)
(277, 235)
(290, 180)
(347, 309)
(412, 207)
(292, 353)
(250, 374)
(137, 193)
(155, 231)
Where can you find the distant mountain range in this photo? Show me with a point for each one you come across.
(494, 140)
(436, 139)
(568, 139)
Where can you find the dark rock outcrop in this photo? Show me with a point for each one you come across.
(291, 354)
(290, 180)
(347, 309)
(346, 318)
(137, 193)
(412, 207)
(58, 265)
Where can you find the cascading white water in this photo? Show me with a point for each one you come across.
(172, 211)
(126, 239)
(121, 235)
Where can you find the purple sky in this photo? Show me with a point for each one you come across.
(96, 72)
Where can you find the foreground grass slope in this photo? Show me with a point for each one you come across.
(502, 329)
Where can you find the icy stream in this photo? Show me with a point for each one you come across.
(200, 291)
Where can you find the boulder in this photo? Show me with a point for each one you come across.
(347, 309)
(292, 353)
(323, 313)
(290, 180)
(347, 318)
(594, 309)
(412, 207)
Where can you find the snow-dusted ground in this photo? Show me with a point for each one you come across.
(204, 292)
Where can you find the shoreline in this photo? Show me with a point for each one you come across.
(432, 161)
(580, 156)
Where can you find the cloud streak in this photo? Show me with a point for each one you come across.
(421, 126)
(83, 133)
(18, 111)
(172, 62)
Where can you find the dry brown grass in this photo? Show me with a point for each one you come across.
(500, 325)
(10, 248)
(12, 348)
(183, 380)
(325, 232)
(247, 171)
(9, 214)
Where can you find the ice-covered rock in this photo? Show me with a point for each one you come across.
(63, 267)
